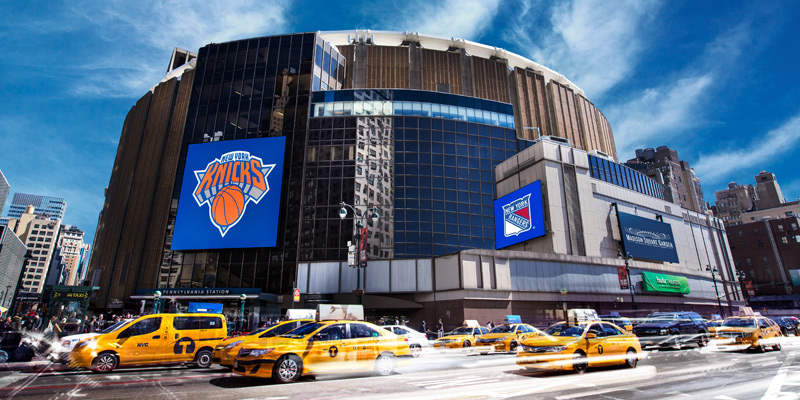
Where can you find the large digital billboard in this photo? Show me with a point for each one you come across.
(230, 196)
(519, 216)
(647, 238)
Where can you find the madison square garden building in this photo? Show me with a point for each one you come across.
(494, 180)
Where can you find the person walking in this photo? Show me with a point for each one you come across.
(440, 328)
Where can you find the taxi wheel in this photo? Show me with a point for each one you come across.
(105, 362)
(288, 369)
(760, 348)
(512, 346)
(631, 359)
(202, 359)
(703, 342)
(467, 343)
(384, 364)
(579, 363)
(777, 347)
(416, 350)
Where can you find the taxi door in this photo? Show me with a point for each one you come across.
(179, 339)
(364, 342)
(615, 344)
(138, 343)
(327, 350)
(595, 347)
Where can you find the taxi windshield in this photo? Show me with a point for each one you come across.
(562, 329)
(460, 331)
(712, 324)
(740, 322)
(503, 329)
(259, 330)
(304, 330)
(116, 326)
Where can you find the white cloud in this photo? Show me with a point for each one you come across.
(656, 112)
(595, 43)
(466, 19)
(140, 36)
(715, 167)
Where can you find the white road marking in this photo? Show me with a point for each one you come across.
(13, 378)
(774, 392)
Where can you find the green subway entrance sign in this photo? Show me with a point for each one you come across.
(663, 283)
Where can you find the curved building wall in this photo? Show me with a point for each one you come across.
(546, 104)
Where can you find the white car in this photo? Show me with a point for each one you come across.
(60, 350)
(416, 340)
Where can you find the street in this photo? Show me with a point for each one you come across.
(690, 373)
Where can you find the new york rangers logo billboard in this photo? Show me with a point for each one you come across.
(519, 216)
(230, 195)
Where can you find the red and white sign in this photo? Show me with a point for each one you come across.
(296, 295)
(623, 278)
(750, 290)
(362, 247)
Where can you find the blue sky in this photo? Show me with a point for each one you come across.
(716, 80)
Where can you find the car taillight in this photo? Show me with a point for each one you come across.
(405, 338)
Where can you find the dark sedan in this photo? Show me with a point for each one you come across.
(672, 329)
(788, 325)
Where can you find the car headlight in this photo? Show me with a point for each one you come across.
(260, 352)
(65, 343)
(663, 332)
(555, 349)
(234, 344)
(747, 334)
(84, 343)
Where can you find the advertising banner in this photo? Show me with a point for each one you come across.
(230, 195)
(623, 277)
(647, 238)
(663, 283)
(751, 291)
(362, 247)
(519, 216)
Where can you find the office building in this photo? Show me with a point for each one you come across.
(12, 256)
(769, 192)
(51, 207)
(741, 204)
(40, 234)
(679, 179)
(231, 174)
(4, 188)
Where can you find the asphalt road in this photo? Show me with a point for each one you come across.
(690, 373)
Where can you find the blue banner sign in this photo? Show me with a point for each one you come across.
(513, 319)
(211, 308)
(519, 216)
(647, 238)
(230, 195)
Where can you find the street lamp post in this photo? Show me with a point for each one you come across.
(243, 298)
(627, 257)
(714, 279)
(157, 301)
(372, 212)
(741, 275)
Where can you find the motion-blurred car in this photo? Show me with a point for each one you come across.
(226, 350)
(60, 351)
(324, 347)
(416, 340)
(672, 329)
(156, 339)
(752, 332)
(505, 337)
(578, 346)
(465, 336)
(788, 325)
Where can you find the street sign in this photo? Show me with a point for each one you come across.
(623, 277)
(296, 295)
(750, 290)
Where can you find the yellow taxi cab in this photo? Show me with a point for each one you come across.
(581, 342)
(506, 337)
(748, 331)
(338, 342)
(464, 336)
(713, 326)
(227, 349)
(156, 339)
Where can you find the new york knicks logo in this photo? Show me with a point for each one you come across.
(228, 184)
(517, 216)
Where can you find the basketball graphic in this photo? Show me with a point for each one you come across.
(228, 205)
(228, 184)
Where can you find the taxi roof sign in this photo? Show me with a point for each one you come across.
(351, 312)
(575, 315)
(746, 312)
(300, 313)
(513, 319)
(472, 323)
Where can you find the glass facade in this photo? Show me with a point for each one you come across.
(628, 178)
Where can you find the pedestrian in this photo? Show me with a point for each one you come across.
(52, 330)
(424, 327)
(37, 323)
(94, 325)
(381, 322)
(101, 323)
(440, 328)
